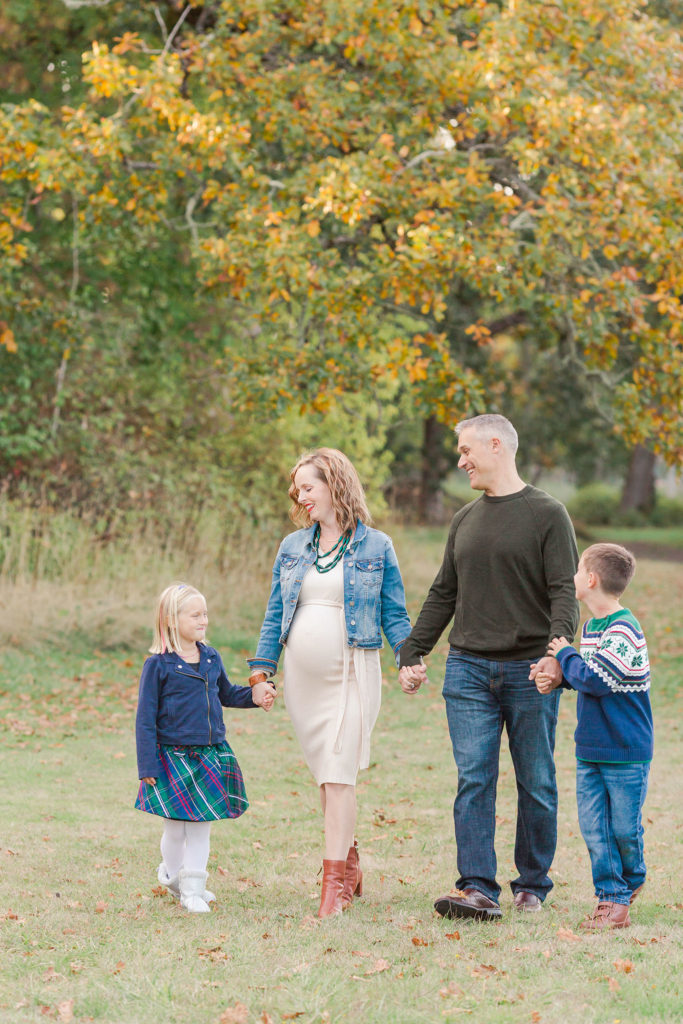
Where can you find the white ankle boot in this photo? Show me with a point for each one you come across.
(173, 886)
(192, 889)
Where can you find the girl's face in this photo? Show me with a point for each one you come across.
(192, 621)
(314, 494)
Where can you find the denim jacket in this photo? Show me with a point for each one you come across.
(181, 704)
(374, 598)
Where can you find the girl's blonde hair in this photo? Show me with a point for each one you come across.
(172, 599)
(339, 473)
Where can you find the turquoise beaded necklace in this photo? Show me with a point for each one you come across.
(340, 547)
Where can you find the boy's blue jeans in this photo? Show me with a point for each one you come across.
(481, 697)
(610, 799)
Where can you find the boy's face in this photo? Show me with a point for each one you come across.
(583, 581)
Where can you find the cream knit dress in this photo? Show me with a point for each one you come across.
(332, 691)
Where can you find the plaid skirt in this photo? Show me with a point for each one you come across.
(195, 784)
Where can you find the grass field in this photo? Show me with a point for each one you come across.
(88, 935)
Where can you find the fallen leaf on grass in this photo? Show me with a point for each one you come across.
(159, 890)
(453, 989)
(118, 755)
(452, 935)
(76, 966)
(215, 954)
(567, 935)
(119, 967)
(293, 1016)
(484, 971)
(237, 1014)
(65, 1011)
(624, 965)
(101, 907)
(378, 967)
(613, 985)
(418, 942)
(51, 974)
(535, 1016)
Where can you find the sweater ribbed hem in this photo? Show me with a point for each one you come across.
(614, 753)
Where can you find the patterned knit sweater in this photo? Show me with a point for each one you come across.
(612, 675)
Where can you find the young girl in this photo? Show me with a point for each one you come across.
(189, 774)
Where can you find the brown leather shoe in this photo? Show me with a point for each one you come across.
(332, 888)
(468, 903)
(353, 877)
(635, 892)
(527, 901)
(607, 915)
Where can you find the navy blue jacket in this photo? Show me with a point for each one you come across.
(181, 704)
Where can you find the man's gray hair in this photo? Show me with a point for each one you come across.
(491, 425)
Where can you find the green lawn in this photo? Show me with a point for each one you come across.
(88, 934)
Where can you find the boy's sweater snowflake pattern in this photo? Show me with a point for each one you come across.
(618, 655)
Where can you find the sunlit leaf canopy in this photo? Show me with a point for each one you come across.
(371, 193)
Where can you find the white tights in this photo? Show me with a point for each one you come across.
(185, 844)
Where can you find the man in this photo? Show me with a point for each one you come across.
(506, 581)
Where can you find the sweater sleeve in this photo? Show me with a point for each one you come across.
(437, 610)
(560, 558)
(579, 674)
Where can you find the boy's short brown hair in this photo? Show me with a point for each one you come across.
(613, 565)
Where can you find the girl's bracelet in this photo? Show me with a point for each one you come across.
(258, 677)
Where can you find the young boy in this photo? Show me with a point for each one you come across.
(614, 735)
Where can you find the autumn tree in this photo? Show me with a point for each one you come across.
(370, 195)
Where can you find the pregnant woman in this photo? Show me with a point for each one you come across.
(336, 586)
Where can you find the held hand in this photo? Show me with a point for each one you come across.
(544, 683)
(149, 781)
(550, 668)
(556, 644)
(264, 695)
(411, 678)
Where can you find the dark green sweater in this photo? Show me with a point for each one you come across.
(506, 580)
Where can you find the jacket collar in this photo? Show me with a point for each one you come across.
(358, 534)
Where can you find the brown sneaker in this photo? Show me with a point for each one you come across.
(607, 915)
(528, 901)
(468, 903)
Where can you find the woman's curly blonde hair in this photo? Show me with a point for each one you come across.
(339, 473)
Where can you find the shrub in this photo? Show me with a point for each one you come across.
(596, 504)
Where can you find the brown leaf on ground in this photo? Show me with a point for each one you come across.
(418, 942)
(51, 974)
(613, 985)
(265, 1018)
(453, 935)
(237, 1014)
(213, 953)
(101, 907)
(624, 965)
(567, 935)
(452, 989)
(535, 1016)
(378, 967)
(65, 1011)
(159, 890)
(485, 971)
(119, 967)
(293, 1016)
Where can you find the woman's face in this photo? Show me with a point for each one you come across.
(314, 494)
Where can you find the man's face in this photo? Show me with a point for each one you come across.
(477, 459)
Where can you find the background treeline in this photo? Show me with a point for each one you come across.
(233, 230)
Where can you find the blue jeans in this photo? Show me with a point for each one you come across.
(481, 697)
(610, 799)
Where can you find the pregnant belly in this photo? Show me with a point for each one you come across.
(316, 641)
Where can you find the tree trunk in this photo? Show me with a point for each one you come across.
(431, 499)
(639, 486)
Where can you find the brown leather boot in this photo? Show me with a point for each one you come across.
(333, 887)
(353, 877)
(607, 915)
